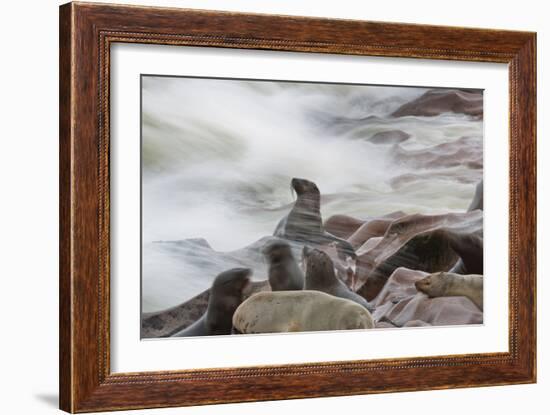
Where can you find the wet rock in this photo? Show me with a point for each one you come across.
(421, 242)
(389, 137)
(402, 305)
(168, 322)
(342, 226)
(438, 101)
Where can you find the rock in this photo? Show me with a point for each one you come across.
(189, 267)
(298, 311)
(342, 226)
(370, 229)
(438, 101)
(368, 245)
(168, 322)
(402, 305)
(421, 242)
(389, 137)
(448, 284)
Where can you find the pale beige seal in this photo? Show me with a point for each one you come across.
(295, 311)
(447, 284)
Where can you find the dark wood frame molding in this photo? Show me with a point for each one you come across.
(86, 33)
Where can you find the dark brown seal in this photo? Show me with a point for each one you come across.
(226, 294)
(320, 276)
(304, 223)
(284, 274)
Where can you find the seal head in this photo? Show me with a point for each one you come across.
(321, 276)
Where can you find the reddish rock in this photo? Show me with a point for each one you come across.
(370, 229)
(439, 101)
(342, 226)
(167, 322)
(368, 245)
(422, 242)
(400, 304)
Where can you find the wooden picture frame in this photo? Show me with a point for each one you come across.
(86, 33)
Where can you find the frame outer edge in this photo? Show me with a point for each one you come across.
(82, 388)
(528, 141)
(66, 120)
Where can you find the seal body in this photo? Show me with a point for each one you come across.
(448, 284)
(320, 276)
(295, 311)
(226, 294)
(469, 247)
(284, 273)
(304, 223)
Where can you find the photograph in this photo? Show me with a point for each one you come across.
(283, 206)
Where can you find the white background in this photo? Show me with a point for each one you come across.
(29, 210)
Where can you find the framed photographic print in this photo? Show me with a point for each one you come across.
(259, 207)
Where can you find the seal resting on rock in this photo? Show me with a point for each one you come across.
(295, 311)
(284, 273)
(400, 304)
(320, 276)
(447, 284)
(304, 224)
(225, 296)
(429, 243)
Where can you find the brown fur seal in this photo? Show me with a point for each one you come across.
(225, 296)
(469, 247)
(295, 311)
(304, 224)
(447, 284)
(284, 273)
(320, 276)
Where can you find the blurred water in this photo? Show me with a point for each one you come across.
(218, 157)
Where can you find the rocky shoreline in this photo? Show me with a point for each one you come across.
(384, 259)
(393, 252)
